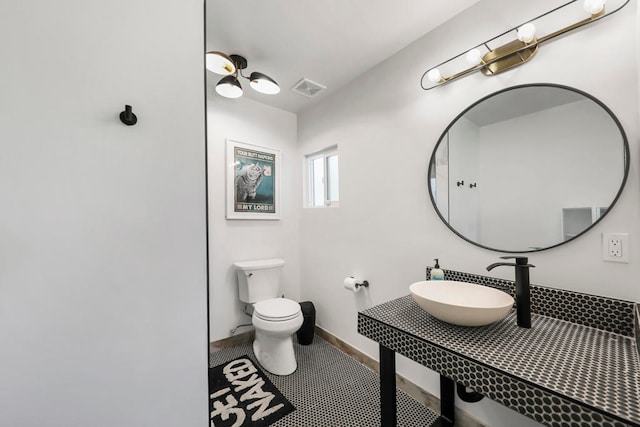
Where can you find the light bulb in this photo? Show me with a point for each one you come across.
(527, 33)
(434, 75)
(474, 57)
(229, 87)
(594, 6)
(263, 83)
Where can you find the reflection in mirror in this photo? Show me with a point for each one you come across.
(528, 168)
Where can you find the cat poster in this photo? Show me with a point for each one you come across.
(252, 179)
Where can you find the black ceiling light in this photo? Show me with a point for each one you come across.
(231, 67)
(229, 87)
(263, 83)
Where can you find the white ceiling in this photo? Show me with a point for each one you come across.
(327, 41)
(517, 103)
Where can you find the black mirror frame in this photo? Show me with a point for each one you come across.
(578, 91)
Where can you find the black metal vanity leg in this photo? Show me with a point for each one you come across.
(388, 415)
(447, 401)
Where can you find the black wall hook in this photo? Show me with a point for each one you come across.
(473, 185)
(460, 183)
(127, 117)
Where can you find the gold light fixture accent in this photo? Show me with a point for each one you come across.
(516, 52)
(220, 63)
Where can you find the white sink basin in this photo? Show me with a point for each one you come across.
(461, 303)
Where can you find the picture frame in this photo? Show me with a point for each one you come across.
(253, 181)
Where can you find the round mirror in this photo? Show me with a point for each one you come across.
(528, 168)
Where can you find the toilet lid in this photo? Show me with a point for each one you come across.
(276, 309)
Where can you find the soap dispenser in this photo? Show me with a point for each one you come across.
(436, 273)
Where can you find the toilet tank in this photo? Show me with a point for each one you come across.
(259, 280)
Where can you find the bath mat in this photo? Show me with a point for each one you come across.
(241, 395)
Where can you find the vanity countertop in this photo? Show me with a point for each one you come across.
(594, 372)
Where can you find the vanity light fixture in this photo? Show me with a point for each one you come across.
(231, 67)
(508, 54)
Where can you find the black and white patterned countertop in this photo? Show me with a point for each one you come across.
(557, 372)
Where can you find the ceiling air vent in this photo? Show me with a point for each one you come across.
(308, 88)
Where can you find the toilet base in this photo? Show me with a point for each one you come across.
(275, 353)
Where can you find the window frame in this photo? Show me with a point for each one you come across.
(309, 159)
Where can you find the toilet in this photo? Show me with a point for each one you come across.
(275, 319)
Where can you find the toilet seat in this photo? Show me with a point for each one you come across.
(276, 309)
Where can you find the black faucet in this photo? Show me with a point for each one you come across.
(523, 294)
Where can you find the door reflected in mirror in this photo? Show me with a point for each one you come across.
(528, 168)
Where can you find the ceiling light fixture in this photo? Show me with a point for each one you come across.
(220, 63)
(231, 67)
(509, 54)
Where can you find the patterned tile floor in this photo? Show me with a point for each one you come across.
(331, 389)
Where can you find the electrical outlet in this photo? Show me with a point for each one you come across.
(615, 247)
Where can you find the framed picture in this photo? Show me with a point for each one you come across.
(253, 181)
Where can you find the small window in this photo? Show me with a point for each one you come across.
(322, 175)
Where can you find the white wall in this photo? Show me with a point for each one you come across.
(386, 229)
(464, 204)
(239, 240)
(102, 226)
(571, 156)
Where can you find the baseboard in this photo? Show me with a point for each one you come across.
(231, 341)
(463, 419)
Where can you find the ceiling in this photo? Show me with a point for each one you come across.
(329, 42)
(520, 102)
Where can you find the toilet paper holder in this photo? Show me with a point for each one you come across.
(363, 284)
(354, 284)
